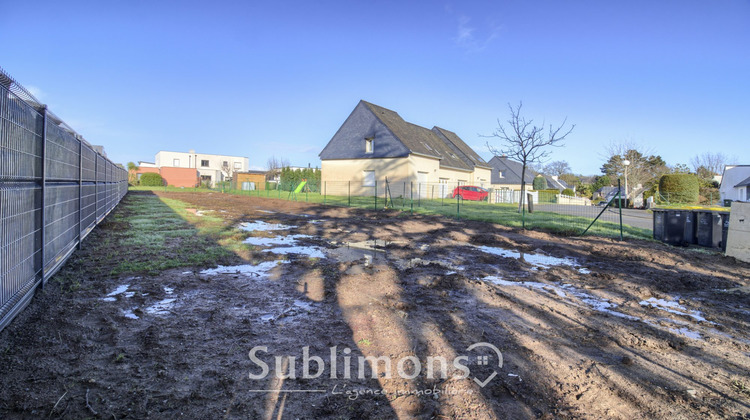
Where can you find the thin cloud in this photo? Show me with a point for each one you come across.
(469, 39)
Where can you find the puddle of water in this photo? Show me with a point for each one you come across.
(109, 299)
(593, 302)
(261, 226)
(605, 306)
(284, 245)
(370, 245)
(267, 317)
(120, 289)
(129, 314)
(185, 273)
(672, 307)
(259, 270)
(537, 260)
(162, 307)
(304, 305)
(267, 211)
(310, 251)
(695, 335)
(168, 290)
(275, 241)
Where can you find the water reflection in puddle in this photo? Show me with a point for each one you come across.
(672, 307)
(250, 270)
(261, 226)
(537, 260)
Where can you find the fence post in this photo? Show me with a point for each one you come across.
(619, 204)
(376, 194)
(403, 197)
(80, 192)
(43, 228)
(325, 190)
(411, 190)
(419, 194)
(349, 194)
(458, 207)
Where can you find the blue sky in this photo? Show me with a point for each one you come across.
(279, 78)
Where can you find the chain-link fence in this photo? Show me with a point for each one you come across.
(547, 210)
(54, 189)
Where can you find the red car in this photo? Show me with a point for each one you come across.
(469, 192)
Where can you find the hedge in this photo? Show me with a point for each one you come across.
(568, 192)
(151, 179)
(679, 188)
(540, 183)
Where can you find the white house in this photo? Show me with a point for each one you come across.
(735, 183)
(211, 168)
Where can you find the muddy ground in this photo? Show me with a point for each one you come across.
(587, 327)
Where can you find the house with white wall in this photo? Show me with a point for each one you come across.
(375, 144)
(211, 168)
(735, 183)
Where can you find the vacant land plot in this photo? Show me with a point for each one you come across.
(218, 306)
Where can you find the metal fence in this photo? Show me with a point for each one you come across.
(546, 210)
(54, 189)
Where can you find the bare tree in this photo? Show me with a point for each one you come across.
(642, 171)
(525, 142)
(708, 164)
(228, 169)
(274, 166)
(557, 168)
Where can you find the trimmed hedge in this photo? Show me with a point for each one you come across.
(540, 183)
(679, 188)
(151, 179)
(568, 192)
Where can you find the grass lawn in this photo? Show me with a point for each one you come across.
(159, 234)
(503, 214)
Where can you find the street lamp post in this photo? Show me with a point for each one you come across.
(626, 163)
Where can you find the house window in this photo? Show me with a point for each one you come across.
(225, 163)
(237, 165)
(501, 174)
(368, 178)
(175, 162)
(368, 145)
(204, 163)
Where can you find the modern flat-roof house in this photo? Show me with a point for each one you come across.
(188, 169)
(735, 183)
(211, 168)
(375, 143)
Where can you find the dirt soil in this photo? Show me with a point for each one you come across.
(587, 327)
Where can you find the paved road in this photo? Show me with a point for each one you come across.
(637, 218)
